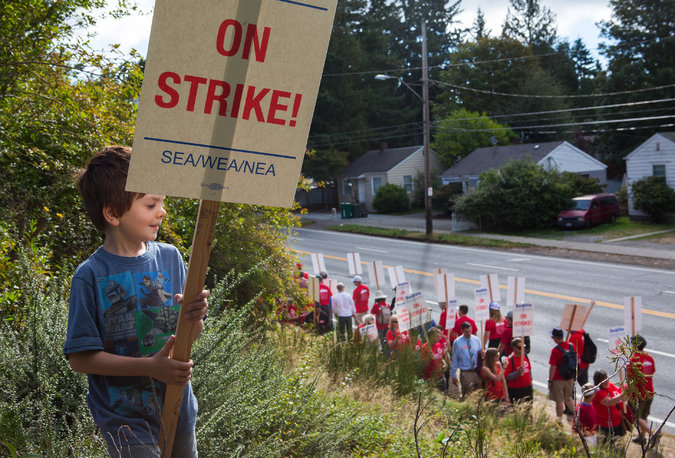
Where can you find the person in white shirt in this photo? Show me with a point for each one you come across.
(344, 309)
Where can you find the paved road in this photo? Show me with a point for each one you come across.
(550, 284)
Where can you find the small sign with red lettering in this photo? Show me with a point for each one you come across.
(228, 96)
(523, 320)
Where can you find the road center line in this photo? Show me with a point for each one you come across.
(491, 267)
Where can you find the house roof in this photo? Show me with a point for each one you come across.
(667, 135)
(493, 157)
(378, 160)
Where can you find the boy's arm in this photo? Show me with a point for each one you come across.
(160, 366)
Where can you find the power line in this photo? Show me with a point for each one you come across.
(538, 96)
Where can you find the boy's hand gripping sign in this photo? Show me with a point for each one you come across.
(227, 99)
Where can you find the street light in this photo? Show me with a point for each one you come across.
(428, 191)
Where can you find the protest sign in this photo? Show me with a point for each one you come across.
(396, 275)
(614, 341)
(376, 275)
(632, 308)
(491, 283)
(481, 300)
(417, 308)
(402, 290)
(515, 287)
(354, 263)
(573, 317)
(403, 318)
(228, 95)
(369, 332)
(313, 289)
(451, 315)
(318, 264)
(523, 320)
(444, 285)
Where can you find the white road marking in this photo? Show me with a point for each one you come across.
(648, 350)
(491, 267)
(432, 302)
(520, 259)
(658, 421)
(668, 292)
(542, 385)
(370, 249)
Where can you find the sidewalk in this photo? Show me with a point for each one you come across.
(417, 222)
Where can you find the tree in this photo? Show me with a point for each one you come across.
(653, 196)
(324, 165)
(463, 131)
(641, 66)
(520, 195)
(478, 27)
(532, 25)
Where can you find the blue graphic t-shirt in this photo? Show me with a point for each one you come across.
(125, 306)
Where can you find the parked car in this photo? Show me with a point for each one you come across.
(587, 211)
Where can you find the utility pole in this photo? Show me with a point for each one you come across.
(428, 191)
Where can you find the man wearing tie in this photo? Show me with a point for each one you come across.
(465, 353)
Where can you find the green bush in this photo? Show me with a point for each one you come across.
(652, 196)
(391, 198)
(520, 195)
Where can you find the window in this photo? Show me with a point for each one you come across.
(659, 171)
(408, 183)
(377, 182)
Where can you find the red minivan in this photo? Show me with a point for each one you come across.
(587, 211)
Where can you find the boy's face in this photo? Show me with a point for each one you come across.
(141, 222)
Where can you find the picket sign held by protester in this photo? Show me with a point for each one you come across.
(632, 307)
(354, 264)
(515, 287)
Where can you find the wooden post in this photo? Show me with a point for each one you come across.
(569, 327)
(632, 316)
(194, 284)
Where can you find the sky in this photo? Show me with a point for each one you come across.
(574, 19)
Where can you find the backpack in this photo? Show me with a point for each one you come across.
(590, 350)
(385, 314)
(568, 364)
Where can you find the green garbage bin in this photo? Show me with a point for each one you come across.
(356, 210)
(346, 210)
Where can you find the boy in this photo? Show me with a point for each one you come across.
(123, 311)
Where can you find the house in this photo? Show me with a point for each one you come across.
(560, 155)
(654, 157)
(361, 179)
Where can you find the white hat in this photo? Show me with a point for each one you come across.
(357, 279)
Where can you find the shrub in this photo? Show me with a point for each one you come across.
(652, 196)
(391, 198)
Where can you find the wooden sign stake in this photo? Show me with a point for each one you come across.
(569, 327)
(632, 316)
(194, 284)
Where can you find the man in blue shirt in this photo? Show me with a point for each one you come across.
(465, 353)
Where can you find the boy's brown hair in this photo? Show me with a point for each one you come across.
(102, 184)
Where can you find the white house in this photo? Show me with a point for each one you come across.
(560, 155)
(361, 179)
(654, 157)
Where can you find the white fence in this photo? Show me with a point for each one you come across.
(461, 223)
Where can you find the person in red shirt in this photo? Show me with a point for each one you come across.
(432, 356)
(608, 405)
(577, 339)
(641, 363)
(382, 314)
(360, 296)
(518, 373)
(462, 313)
(443, 321)
(559, 389)
(325, 295)
(494, 327)
(587, 419)
(493, 375)
(395, 338)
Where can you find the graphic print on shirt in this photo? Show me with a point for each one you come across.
(139, 317)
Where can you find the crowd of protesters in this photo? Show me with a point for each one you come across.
(498, 364)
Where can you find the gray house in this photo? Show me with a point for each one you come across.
(654, 157)
(560, 155)
(361, 179)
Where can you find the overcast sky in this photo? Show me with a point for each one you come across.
(574, 19)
